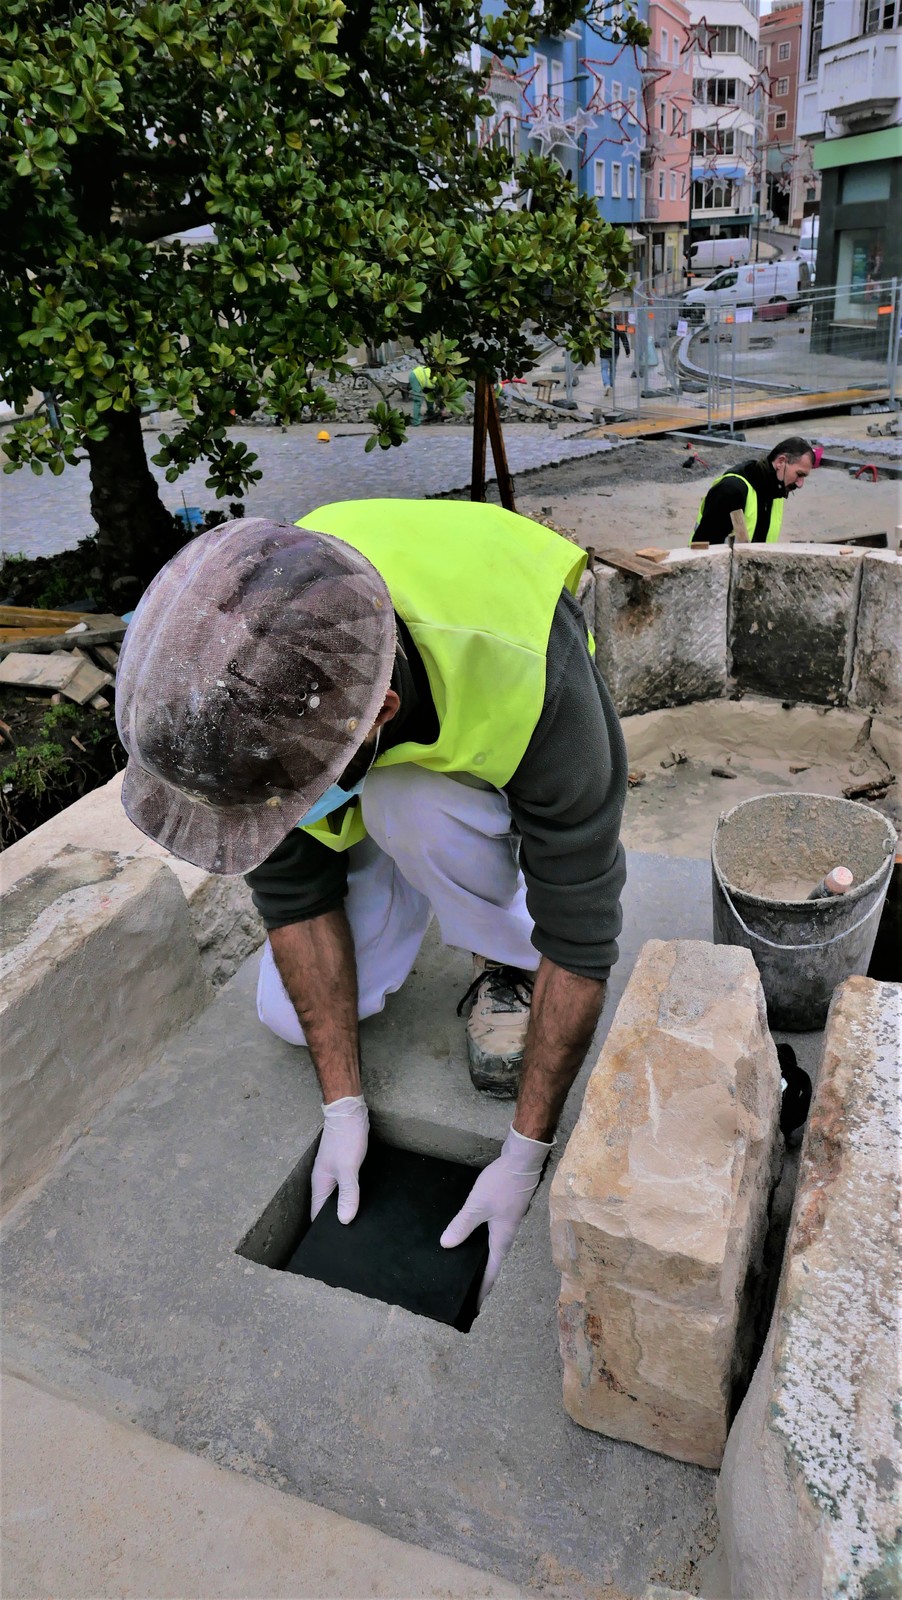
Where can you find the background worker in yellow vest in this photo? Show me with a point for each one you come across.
(759, 490)
(420, 384)
(386, 713)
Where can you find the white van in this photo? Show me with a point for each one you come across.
(707, 255)
(808, 241)
(753, 286)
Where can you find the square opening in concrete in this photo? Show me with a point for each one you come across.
(391, 1250)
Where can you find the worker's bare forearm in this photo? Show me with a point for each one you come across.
(565, 1009)
(316, 964)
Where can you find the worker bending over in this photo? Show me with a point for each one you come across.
(758, 489)
(386, 713)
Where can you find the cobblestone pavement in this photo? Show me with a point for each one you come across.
(39, 516)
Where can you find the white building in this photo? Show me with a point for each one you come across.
(724, 56)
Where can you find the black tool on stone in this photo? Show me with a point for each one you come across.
(391, 1250)
(796, 1101)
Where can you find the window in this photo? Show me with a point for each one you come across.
(673, 186)
(712, 196)
(664, 40)
(880, 15)
(598, 99)
(631, 182)
(540, 81)
(661, 182)
(501, 131)
(676, 50)
(782, 87)
(858, 185)
(731, 41)
(784, 52)
(557, 86)
(616, 176)
(780, 119)
(817, 34)
(616, 97)
(662, 116)
(675, 119)
(599, 180)
(632, 96)
(716, 92)
(685, 126)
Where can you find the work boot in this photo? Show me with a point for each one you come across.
(499, 999)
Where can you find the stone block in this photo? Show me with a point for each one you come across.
(808, 1496)
(792, 621)
(662, 641)
(659, 1204)
(98, 968)
(877, 665)
(223, 919)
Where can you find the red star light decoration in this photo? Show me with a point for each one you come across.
(699, 36)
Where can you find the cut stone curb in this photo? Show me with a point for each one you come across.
(809, 1492)
(877, 670)
(659, 1204)
(223, 920)
(98, 968)
(662, 641)
(792, 621)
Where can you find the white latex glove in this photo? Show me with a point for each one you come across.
(500, 1196)
(339, 1157)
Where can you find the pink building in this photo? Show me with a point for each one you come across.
(666, 159)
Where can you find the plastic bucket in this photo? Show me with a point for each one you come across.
(766, 856)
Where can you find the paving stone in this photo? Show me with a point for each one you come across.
(809, 1492)
(42, 515)
(98, 968)
(792, 621)
(659, 1205)
(662, 641)
(877, 667)
(223, 919)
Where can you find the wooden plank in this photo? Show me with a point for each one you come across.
(651, 553)
(87, 682)
(739, 526)
(480, 431)
(18, 635)
(37, 644)
(499, 454)
(629, 561)
(48, 672)
(22, 616)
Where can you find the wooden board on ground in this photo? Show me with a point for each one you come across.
(651, 553)
(107, 629)
(630, 561)
(24, 616)
(40, 672)
(87, 682)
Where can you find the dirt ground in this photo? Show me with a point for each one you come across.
(645, 495)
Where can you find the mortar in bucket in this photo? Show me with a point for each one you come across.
(766, 856)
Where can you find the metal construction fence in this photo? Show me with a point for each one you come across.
(700, 363)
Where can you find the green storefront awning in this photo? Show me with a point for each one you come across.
(882, 146)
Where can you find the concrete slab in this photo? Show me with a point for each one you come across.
(122, 1285)
(94, 1510)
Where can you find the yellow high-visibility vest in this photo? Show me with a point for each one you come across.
(477, 587)
(751, 510)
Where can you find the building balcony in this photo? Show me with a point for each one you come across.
(860, 80)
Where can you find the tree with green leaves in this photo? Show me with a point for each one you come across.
(331, 148)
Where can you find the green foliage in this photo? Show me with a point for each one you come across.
(331, 147)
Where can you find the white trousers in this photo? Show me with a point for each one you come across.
(433, 846)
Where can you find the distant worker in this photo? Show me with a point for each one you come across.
(421, 381)
(757, 489)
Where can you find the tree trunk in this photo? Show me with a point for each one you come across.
(136, 535)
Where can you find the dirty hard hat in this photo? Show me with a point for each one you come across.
(252, 671)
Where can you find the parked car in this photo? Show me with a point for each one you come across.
(768, 281)
(708, 255)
